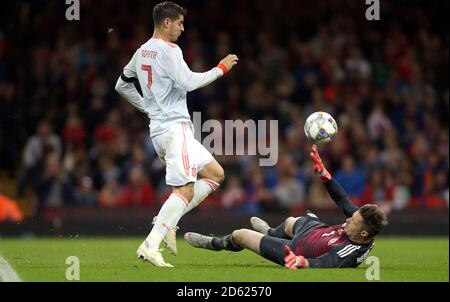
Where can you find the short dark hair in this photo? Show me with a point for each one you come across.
(374, 218)
(167, 9)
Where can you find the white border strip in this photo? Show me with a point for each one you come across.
(7, 273)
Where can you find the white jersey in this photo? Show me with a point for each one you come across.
(165, 79)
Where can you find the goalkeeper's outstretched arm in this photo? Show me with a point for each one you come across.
(340, 197)
(337, 193)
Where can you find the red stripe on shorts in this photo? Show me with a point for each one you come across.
(185, 154)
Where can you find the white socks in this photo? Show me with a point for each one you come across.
(202, 188)
(174, 208)
(169, 214)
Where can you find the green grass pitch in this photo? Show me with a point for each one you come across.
(113, 259)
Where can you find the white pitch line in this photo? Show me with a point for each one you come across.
(7, 273)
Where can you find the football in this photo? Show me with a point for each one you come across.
(320, 127)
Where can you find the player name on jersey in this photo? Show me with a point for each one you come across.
(149, 54)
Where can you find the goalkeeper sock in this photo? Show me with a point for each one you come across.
(226, 243)
(170, 212)
(278, 232)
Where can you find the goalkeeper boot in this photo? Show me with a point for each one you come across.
(200, 241)
(151, 255)
(170, 240)
(260, 225)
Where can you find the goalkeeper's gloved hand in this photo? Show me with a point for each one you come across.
(318, 166)
(291, 261)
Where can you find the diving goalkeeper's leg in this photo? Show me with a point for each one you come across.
(263, 227)
(212, 243)
(269, 247)
(236, 241)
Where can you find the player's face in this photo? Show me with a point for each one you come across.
(176, 27)
(354, 225)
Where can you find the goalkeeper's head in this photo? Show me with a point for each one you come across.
(366, 223)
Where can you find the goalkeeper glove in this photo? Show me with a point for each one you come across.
(291, 261)
(318, 166)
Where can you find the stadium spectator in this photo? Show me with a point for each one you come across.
(401, 193)
(74, 133)
(54, 189)
(378, 122)
(109, 195)
(85, 194)
(138, 191)
(351, 177)
(108, 170)
(234, 196)
(138, 159)
(109, 131)
(259, 197)
(37, 147)
(378, 189)
(289, 191)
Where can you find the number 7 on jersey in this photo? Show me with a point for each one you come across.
(148, 68)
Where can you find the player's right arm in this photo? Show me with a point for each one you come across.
(335, 190)
(126, 85)
(178, 70)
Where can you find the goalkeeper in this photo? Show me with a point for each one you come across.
(307, 242)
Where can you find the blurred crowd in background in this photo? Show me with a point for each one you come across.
(67, 138)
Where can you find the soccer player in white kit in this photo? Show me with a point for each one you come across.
(164, 77)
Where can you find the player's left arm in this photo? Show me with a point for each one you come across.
(342, 256)
(128, 85)
(179, 71)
